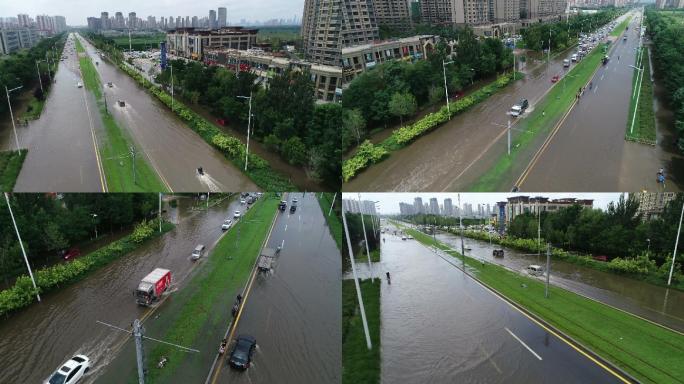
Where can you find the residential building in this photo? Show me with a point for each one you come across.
(327, 79)
(119, 21)
(330, 25)
(195, 23)
(94, 23)
(358, 59)
(212, 19)
(394, 14)
(60, 24)
(519, 205)
(365, 207)
(406, 209)
(222, 17)
(24, 20)
(448, 207)
(14, 39)
(418, 205)
(652, 204)
(191, 42)
(438, 11)
(434, 206)
(46, 24)
(104, 21)
(132, 20)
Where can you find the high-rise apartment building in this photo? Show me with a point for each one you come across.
(132, 20)
(212, 19)
(434, 206)
(60, 24)
(24, 20)
(438, 11)
(448, 207)
(330, 25)
(46, 24)
(395, 14)
(222, 17)
(418, 205)
(104, 21)
(652, 204)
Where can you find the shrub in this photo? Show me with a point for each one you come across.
(142, 231)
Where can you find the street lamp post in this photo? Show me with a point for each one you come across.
(40, 81)
(648, 247)
(636, 103)
(249, 121)
(674, 252)
(14, 128)
(94, 215)
(21, 244)
(446, 92)
(171, 66)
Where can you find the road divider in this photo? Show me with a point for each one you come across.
(10, 166)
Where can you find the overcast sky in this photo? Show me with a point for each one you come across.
(77, 11)
(389, 202)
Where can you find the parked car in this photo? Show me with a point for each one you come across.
(519, 108)
(79, 84)
(226, 224)
(566, 63)
(573, 58)
(70, 254)
(555, 78)
(283, 205)
(243, 201)
(293, 208)
(198, 252)
(70, 372)
(236, 215)
(241, 356)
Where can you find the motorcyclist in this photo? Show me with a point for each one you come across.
(591, 84)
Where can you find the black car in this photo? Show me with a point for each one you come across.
(293, 208)
(282, 205)
(241, 356)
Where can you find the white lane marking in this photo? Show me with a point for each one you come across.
(596, 89)
(602, 76)
(523, 343)
(285, 228)
(282, 244)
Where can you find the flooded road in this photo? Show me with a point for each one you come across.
(172, 148)
(592, 137)
(655, 303)
(440, 326)
(436, 161)
(61, 145)
(295, 311)
(34, 341)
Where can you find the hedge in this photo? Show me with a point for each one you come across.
(233, 149)
(22, 293)
(368, 153)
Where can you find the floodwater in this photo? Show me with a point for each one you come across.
(36, 340)
(440, 326)
(172, 148)
(658, 304)
(295, 311)
(61, 154)
(602, 115)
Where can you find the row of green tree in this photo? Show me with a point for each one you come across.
(395, 90)
(51, 223)
(616, 232)
(563, 34)
(19, 69)
(666, 30)
(284, 114)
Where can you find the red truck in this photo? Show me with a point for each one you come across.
(152, 286)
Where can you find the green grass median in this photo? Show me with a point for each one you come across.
(649, 352)
(641, 126)
(10, 166)
(202, 306)
(359, 364)
(115, 147)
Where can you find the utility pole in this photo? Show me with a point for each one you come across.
(548, 269)
(509, 136)
(333, 203)
(133, 153)
(460, 224)
(160, 212)
(171, 66)
(446, 91)
(249, 122)
(674, 253)
(14, 127)
(356, 283)
(538, 232)
(21, 244)
(365, 238)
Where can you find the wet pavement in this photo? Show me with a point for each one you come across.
(61, 154)
(171, 147)
(295, 310)
(36, 340)
(440, 326)
(658, 304)
(592, 137)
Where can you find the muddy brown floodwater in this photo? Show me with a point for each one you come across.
(34, 341)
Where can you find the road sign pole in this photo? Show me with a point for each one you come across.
(674, 253)
(138, 335)
(548, 269)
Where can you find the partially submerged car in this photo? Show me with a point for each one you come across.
(70, 372)
(241, 356)
(519, 108)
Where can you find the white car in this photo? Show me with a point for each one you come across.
(243, 201)
(80, 85)
(70, 372)
(236, 215)
(226, 224)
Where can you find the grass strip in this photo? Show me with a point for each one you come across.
(374, 255)
(22, 293)
(368, 153)
(649, 352)
(359, 364)
(10, 166)
(333, 219)
(203, 301)
(115, 151)
(641, 126)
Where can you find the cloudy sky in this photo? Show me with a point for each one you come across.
(389, 202)
(77, 11)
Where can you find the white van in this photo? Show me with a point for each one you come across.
(566, 63)
(198, 252)
(535, 270)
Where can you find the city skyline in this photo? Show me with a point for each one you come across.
(389, 202)
(76, 12)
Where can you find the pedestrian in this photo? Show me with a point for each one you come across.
(388, 276)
